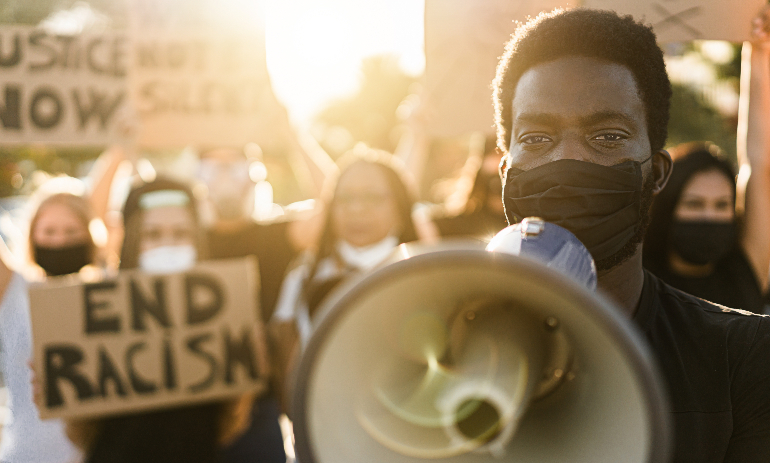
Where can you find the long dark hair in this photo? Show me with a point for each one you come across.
(315, 291)
(132, 219)
(397, 181)
(689, 159)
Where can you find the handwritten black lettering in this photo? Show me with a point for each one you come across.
(10, 110)
(194, 345)
(138, 384)
(61, 363)
(96, 323)
(205, 298)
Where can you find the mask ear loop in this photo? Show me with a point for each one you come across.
(648, 158)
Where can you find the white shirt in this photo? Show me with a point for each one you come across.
(291, 306)
(25, 437)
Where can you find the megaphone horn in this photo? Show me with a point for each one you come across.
(464, 355)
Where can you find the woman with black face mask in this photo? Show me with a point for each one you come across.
(694, 241)
(698, 240)
(25, 437)
(59, 243)
(59, 238)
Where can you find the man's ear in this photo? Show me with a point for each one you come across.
(662, 166)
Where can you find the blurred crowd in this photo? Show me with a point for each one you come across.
(707, 234)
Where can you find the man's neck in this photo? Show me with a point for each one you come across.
(623, 283)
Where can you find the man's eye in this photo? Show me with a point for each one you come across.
(534, 139)
(610, 137)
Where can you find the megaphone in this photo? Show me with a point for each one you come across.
(463, 355)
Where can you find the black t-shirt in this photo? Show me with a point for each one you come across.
(176, 435)
(270, 243)
(733, 283)
(716, 362)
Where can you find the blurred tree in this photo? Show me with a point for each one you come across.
(694, 114)
(34, 11)
(693, 118)
(369, 115)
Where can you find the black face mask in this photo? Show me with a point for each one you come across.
(600, 205)
(702, 242)
(62, 261)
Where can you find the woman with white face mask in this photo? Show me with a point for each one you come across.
(162, 236)
(368, 210)
(161, 228)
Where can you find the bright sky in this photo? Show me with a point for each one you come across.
(315, 47)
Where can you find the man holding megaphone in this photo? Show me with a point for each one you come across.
(467, 356)
(582, 102)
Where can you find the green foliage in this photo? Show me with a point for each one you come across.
(693, 119)
(369, 115)
(732, 69)
(33, 11)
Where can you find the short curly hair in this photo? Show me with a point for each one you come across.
(591, 33)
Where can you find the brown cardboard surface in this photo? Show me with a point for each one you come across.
(136, 342)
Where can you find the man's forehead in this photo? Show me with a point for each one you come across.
(576, 87)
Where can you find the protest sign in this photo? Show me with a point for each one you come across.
(198, 74)
(60, 89)
(143, 341)
(684, 20)
(201, 90)
(464, 40)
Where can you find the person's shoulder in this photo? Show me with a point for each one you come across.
(687, 301)
(673, 298)
(704, 315)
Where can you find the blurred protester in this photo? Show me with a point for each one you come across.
(230, 177)
(482, 214)
(162, 236)
(368, 213)
(697, 241)
(234, 179)
(25, 437)
(60, 242)
(66, 213)
(67, 226)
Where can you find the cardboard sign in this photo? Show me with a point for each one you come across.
(198, 74)
(60, 89)
(684, 20)
(464, 40)
(144, 341)
(198, 89)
